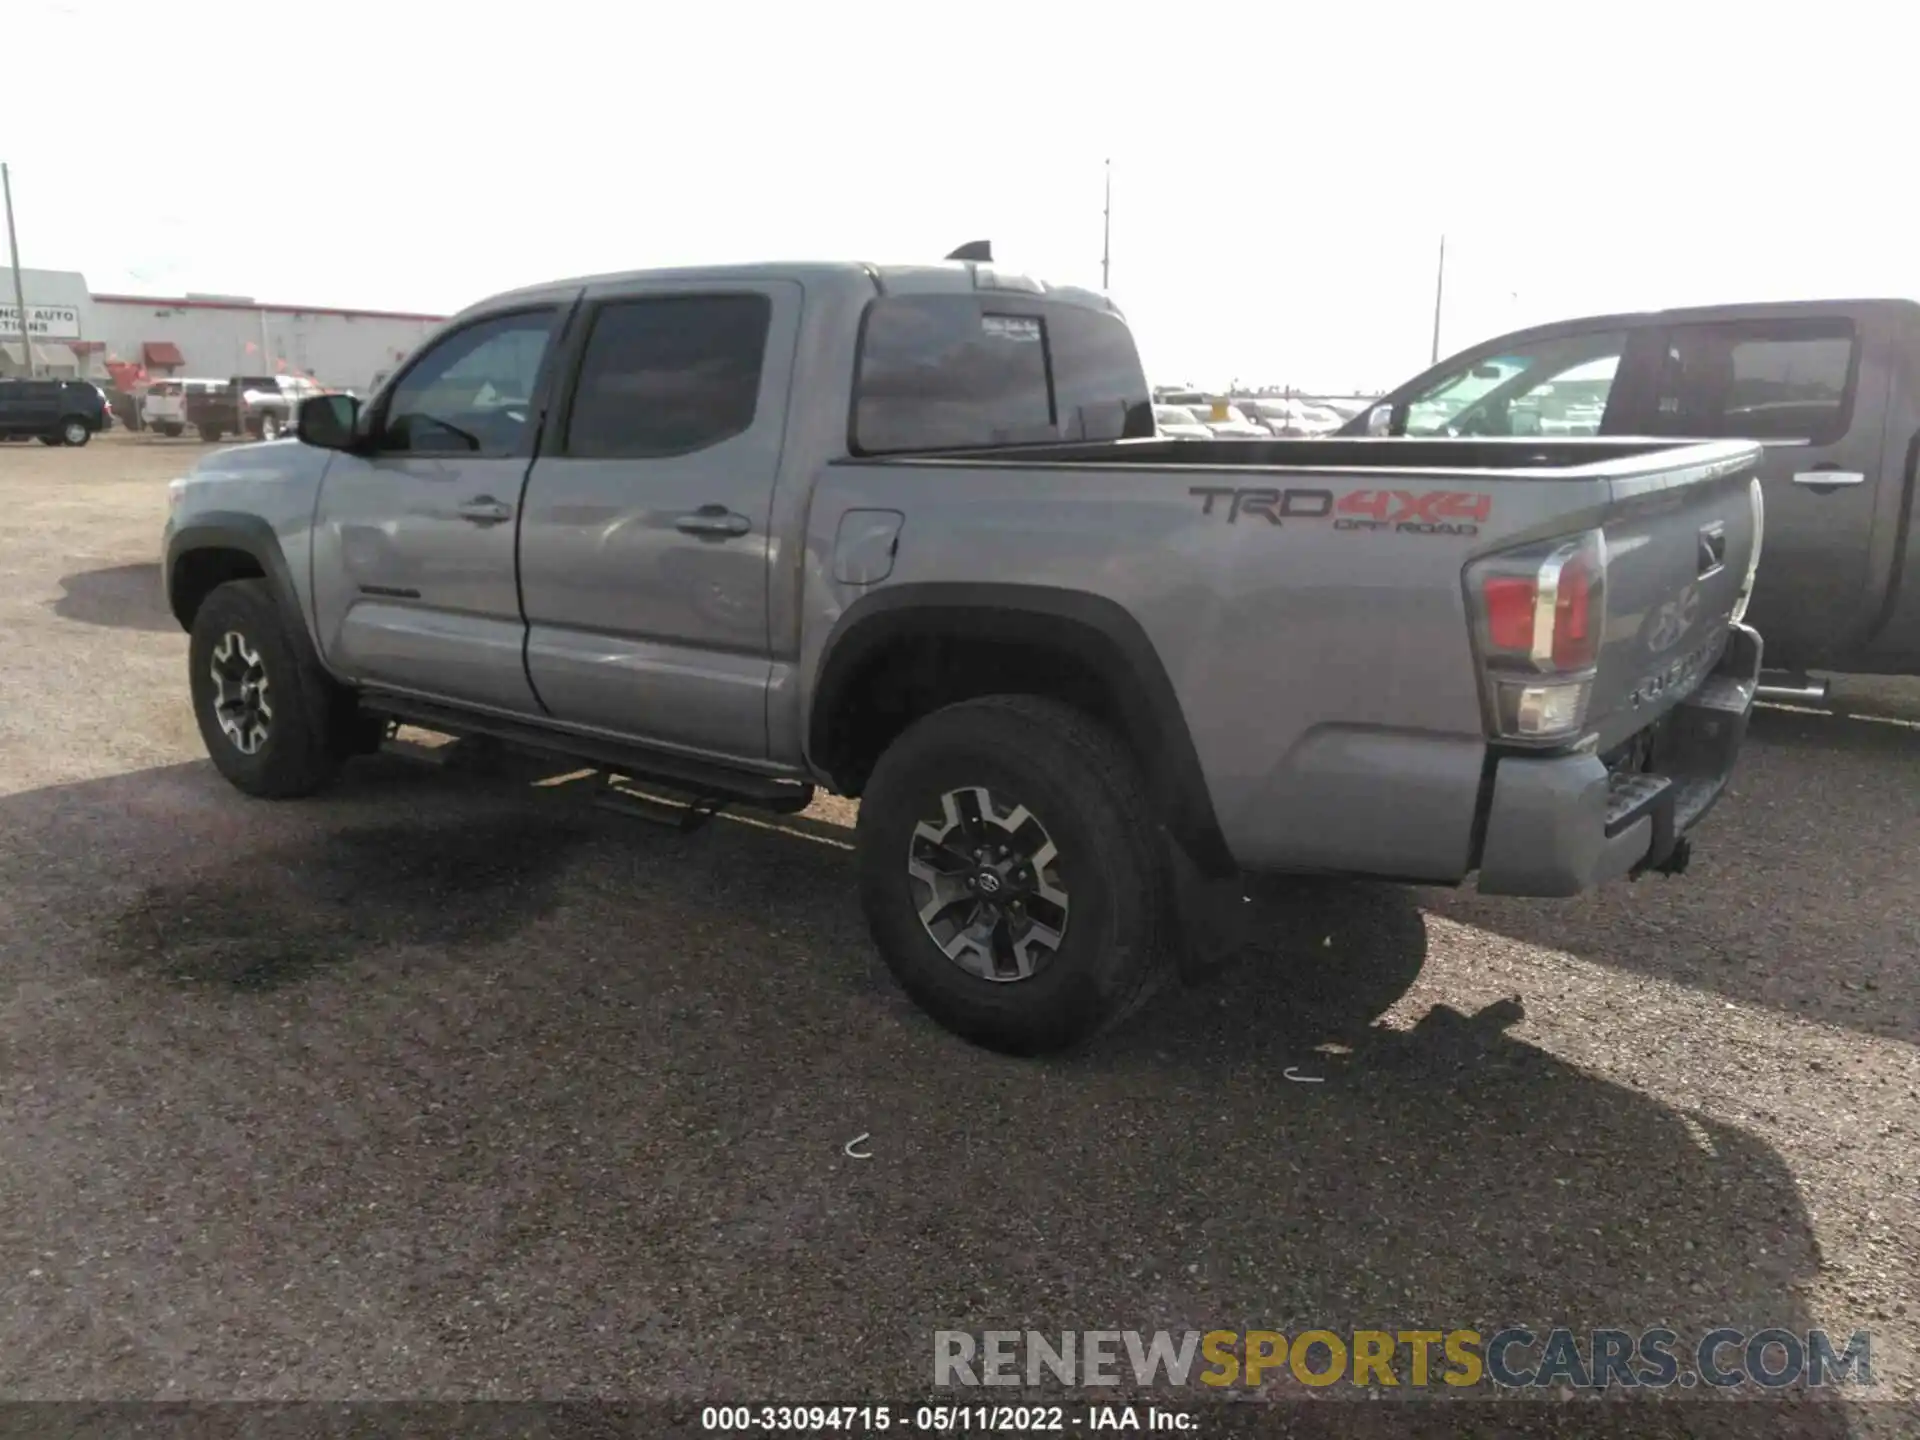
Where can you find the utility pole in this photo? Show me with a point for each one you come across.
(1106, 230)
(1439, 291)
(19, 282)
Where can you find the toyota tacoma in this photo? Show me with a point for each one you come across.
(907, 534)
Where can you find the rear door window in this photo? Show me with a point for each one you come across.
(1757, 380)
(668, 375)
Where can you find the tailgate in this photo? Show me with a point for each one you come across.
(1682, 529)
(214, 406)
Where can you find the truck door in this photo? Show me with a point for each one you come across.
(413, 551)
(645, 545)
(1799, 385)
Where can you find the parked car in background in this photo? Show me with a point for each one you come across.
(166, 403)
(1177, 422)
(1229, 422)
(1188, 398)
(1289, 417)
(260, 406)
(1345, 406)
(1831, 390)
(56, 412)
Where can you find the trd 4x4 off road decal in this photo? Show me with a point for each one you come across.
(1406, 512)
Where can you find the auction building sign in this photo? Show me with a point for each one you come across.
(44, 322)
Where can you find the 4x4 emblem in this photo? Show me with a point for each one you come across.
(1673, 619)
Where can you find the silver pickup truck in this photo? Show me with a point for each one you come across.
(906, 533)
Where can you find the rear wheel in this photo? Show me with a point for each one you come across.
(266, 713)
(173, 432)
(268, 427)
(210, 433)
(1013, 875)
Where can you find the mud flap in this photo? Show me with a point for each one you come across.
(1212, 916)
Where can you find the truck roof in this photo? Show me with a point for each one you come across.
(1701, 314)
(948, 277)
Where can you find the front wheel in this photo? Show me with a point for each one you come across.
(75, 431)
(264, 712)
(173, 432)
(1013, 875)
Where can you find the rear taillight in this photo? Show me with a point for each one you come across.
(1542, 611)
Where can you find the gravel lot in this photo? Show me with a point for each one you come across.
(444, 1086)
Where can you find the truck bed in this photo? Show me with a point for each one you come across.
(1540, 458)
(1315, 599)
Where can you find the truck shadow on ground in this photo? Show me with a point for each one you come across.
(450, 1046)
(1800, 897)
(124, 597)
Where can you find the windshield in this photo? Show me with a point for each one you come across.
(1173, 415)
(1559, 387)
(1431, 413)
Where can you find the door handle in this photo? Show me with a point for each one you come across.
(485, 510)
(1829, 477)
(713, 522)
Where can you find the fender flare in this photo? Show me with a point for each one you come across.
(251, 536)
(1094, 629)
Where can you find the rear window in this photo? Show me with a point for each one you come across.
(1758, 380)
(948, 372)
(164, 388)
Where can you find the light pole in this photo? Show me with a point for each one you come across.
(1106, 230)
(19, 281)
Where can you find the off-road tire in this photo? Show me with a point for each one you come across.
(210, 433)
(303, 746)
(1085, 789)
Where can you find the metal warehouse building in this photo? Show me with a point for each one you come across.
(124, 339)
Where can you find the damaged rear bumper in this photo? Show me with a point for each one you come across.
(1562, 824)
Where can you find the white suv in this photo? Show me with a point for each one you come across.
(165, 408)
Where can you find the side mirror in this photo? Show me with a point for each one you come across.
(328, 422)
(1380, 420)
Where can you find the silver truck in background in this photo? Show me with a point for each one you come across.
(906, 533)
(1829, 388)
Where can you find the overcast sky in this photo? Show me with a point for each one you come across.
(1281, 174)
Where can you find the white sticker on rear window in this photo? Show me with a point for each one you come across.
(1011, 327)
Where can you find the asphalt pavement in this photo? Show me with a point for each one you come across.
(447, 1086)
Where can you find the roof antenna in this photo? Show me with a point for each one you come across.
(974, 250)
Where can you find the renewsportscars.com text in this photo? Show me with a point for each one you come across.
(1655, 1358)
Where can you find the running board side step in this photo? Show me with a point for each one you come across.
(710, 786)
(1791, 688)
